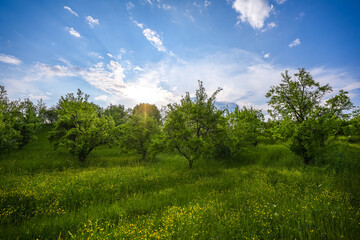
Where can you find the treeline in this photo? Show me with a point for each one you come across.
(194, 127)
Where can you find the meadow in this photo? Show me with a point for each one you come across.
(267, 193)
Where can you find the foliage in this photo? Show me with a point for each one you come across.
(246, 126)
(147, 110)
(28, 123)
(195, 128)
(353, 127)
(79, 127)
(9, 136)
(19, 122)
(141, 129)
(299, 102)
(118, 113)
(51, 115)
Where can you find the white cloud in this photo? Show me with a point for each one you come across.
(140, 25)
(295, 43)
(38, 97)
(92, 21)
(102, 98)
(154, 39)
(245, 78)
(301, 16)
(129, 6)
(165, 6)
(207, 3)
(189, 15)
(71, 11)
(41, 70)
(253, 11)
(137, 68)
(109, 55)
(280, 1)
(94, 54)
(9, 59)
(269, 26)
(267, 55)
(73, 32)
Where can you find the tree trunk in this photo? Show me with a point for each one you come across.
(190, 163)
(143, 155)
(82, 158)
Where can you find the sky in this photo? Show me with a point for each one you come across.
(154, 51)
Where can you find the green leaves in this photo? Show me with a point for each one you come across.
(195, 128)
(80, 128)
(246, 126)
(19, 122)
(299, 101)
(141, 131)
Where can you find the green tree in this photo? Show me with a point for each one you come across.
(79, 127)
(246, 126)
(28, 123)
(195, 128)
(118, 113)
(142, 129)
(352, 129)
(147, 110)
(10, 137)
(298, 101)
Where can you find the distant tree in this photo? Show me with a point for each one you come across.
(79, 127)
(51, 115)
(28, 123)
(118, 113)
(147, 110)
(10, 137)
(41, 111)
(352, 129)
(299, 102)
(246, 126)
(195, 128)
(141, 129)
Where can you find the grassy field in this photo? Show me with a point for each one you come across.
(266, 194)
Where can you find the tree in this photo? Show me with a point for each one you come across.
(28, 123)
(141, 129)
(299, 102)
(147, 110)
(118, 113)
(10, 137)
(246, 126)
(195, 128)
(79, 127)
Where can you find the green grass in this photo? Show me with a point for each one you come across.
(266, 194)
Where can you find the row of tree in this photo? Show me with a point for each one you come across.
(194, 127)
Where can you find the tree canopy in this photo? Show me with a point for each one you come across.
(299, 101)
(80, 128)
(195, 127)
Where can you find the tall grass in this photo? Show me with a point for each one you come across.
(265, 194)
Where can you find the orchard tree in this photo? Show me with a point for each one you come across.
(10, 137)
(195, 128)
(29, 123)
(79, 127)
(147, 110)
(118, 113)
(299, 101)
(246, 126)
(142, 129)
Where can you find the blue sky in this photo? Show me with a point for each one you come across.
(127, 52)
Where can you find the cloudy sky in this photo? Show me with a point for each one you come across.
(127, 52)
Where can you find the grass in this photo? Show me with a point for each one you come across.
(266, 194)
